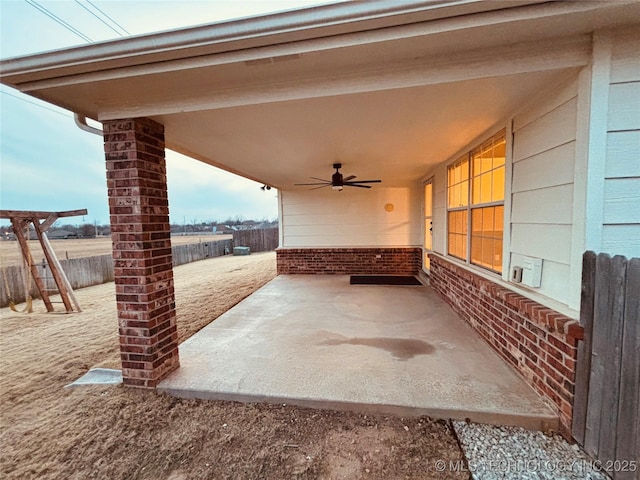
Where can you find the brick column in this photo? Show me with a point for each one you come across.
(139, 208)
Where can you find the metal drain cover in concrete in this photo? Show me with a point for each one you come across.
(99, 376)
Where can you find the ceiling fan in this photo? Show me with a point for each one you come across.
(337, 182)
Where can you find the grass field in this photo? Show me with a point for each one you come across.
(51, 432)
(85, 247)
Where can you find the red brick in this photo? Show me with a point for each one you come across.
(517, 327)
(575, 331)
(398, 261)
(561, 371)
(133, 382)
(136, 181)
(560, 345)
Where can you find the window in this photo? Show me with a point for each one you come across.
(475, 197)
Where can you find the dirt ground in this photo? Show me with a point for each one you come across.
(50, 432)
(83, 247)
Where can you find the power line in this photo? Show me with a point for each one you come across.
(100, 19)
(36, 104)
(110, 18)
(58, 20)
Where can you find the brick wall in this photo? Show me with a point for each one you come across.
(539, 342)
(350, 261)
(139, 214)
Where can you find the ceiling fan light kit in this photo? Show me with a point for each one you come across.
(338, 182)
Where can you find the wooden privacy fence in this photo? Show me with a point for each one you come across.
(606, 411)
(199, 251)
(88, 271)
(259, 240)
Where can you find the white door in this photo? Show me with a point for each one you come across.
(428, 224)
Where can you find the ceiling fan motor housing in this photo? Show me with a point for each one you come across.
(336, 178)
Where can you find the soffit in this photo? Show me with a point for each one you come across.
(388, 103)
(395, 135)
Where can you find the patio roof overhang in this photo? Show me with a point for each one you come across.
(387, 88)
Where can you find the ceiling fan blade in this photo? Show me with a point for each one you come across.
(321, 179)
(323, 186)
(365, 181)
(349, 178)
(356, 185)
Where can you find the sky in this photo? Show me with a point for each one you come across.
(48, 163)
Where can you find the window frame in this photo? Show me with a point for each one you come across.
(461, 208)
(467, 157)
(431, 181)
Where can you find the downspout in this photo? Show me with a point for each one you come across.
(81, 122)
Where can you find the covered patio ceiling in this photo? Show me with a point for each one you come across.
(280, 98)
(395, 135)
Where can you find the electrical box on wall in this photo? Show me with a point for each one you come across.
(531, 271)
(516, 274)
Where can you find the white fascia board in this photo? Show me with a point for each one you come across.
(250, 33)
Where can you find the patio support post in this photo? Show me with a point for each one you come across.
(140, 232)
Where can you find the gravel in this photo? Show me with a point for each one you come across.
(513, 452)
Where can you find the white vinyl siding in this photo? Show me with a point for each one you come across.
(351, 218)
(619, 238)
(551, 129)
(621, 216)
(621, 201)
(542, 184)
(545, 241)
(529, 207)
(575, 172)
(622, 154)
(624, 106)
(533, 173)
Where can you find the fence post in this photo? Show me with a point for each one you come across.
(606, 413)
(583, 366)
(628, 428)
(612, 360)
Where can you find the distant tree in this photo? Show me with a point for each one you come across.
(68, 227)
(88, 230)
(237, 220)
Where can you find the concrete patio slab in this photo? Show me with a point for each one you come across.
(318, 341)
